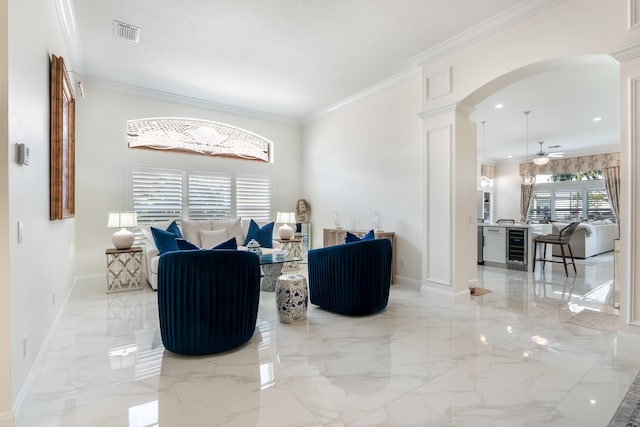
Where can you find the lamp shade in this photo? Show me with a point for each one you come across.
(123, 238)
(285, 217)
(285, 232)
(122, 220)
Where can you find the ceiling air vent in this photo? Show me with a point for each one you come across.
(126, 31)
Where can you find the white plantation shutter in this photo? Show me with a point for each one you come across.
(253, 197)
(209, 196)
(161, 194)
(598, 205)
(156, 194)
(569, 204)
(540, 207)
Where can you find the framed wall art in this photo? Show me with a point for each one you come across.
(62, 166)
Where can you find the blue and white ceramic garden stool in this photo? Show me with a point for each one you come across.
(292, 298)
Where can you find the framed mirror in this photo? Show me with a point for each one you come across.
(62, 167)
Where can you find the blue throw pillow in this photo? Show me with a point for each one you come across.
(264, 235)
(350, 237)
(165, 240)
(229, 244)
(173, 228)
(185, 245)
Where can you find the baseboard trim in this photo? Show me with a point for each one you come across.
(26, 388)
(7, 419)
(406, 281)
(445, 294)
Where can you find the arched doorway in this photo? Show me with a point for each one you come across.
(563, 96)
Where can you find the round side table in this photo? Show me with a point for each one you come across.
(292, 298)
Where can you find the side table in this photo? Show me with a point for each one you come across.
(292, 298)
(294, 250)
(124, 269)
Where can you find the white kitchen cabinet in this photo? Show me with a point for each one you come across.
(495, 245)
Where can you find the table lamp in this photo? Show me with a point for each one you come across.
(123, 238)
(285, 232)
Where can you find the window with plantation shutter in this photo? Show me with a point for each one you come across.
(156, 194)
(209, 196)
(570, 201)
(598, 205)
(253, 197)
(567, 205)
(161, 194)
(540, 207)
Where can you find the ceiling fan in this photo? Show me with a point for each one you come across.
(542, 158)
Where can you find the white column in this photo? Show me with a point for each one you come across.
(450, 223)
(629, 286)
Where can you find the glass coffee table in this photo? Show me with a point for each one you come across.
(272, 267)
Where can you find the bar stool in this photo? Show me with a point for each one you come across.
(561, 239)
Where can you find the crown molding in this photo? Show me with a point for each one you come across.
(447, 109)
(67, 18)
(186, 100)
(516, 14)
(627, 54)
(411, 72)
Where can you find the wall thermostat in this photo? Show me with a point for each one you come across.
(22, 154)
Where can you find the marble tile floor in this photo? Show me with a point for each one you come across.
(506, 358)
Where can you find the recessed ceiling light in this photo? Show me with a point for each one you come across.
(597, 119)
(499, 106)
(509, 156)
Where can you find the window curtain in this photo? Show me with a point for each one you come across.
(526, 193)
(572, 165)
(612, 185)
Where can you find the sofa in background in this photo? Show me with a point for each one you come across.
(353, 278)
(202, 233)
(207, 300)
(590, 238)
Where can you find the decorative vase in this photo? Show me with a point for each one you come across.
(377, 220)
(254, 246)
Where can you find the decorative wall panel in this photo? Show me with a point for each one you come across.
(438, 84)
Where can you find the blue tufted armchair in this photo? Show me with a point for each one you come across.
(207, 299)
(353, 278)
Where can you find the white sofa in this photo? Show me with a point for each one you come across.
(191, 231)
(589, 239)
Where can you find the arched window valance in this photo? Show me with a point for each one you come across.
(197, 136)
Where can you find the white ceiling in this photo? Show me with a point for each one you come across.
(284, 57)
(294, 58)
(563, 102)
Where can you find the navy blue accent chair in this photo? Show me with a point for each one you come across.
(353, 278)
(207, 300)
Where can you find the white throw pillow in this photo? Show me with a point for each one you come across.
(146, 228)
(191, 229)
(213, 238)
(233, 228)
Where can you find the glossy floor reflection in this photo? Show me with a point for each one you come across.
(507, 358)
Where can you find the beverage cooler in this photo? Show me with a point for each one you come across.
(517, 249)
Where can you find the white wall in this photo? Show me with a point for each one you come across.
(6, 414)
(103, 158)
(44, 263)
(368, 157)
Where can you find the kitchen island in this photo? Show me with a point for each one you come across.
(508, 245)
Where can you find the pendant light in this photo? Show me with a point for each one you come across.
(541, 158)
(527, 178)
(484, 182)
